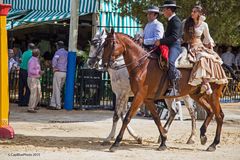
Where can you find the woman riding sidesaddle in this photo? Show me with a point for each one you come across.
(207, 64)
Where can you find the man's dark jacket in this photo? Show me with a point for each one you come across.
(173, 31)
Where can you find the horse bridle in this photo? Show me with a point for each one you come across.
(125, 65)
(96, 43)
(113, 41)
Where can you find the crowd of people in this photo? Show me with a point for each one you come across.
(29, 87)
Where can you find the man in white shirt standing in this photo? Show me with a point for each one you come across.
(228, 61)
(228, 57)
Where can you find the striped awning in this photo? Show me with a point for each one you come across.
(85, 6)
(123, 24)
(15, 13)
(39, 16)
(109, 6)
(15, 24)
(45, 10)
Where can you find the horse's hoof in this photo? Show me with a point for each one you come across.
(105, 143)
(113, 148)
(162, 148)
(190, 141)
(139, 140)
(203, 140)
(211, 148)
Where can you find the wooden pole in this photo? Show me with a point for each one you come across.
(73, 33)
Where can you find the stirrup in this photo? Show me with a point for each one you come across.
(172, 92)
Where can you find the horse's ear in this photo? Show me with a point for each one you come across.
(112, 31)
(106, 31)
(103, 32)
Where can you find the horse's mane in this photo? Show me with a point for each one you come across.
(134, 40)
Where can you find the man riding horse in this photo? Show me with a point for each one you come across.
(172, 38)
(154, 29)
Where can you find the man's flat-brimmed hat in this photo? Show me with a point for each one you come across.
(170, 3)
(152, 9)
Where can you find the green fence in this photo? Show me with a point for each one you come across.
(92, 88)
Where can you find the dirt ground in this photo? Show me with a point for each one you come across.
(69, 135)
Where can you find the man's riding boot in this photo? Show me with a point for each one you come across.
(173, 90)
(175, 87)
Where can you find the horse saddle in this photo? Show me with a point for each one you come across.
(183, 60)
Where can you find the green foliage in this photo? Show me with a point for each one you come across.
(223, 16)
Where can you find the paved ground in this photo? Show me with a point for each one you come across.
(60, 135)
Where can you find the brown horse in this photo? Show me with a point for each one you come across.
(149, 83)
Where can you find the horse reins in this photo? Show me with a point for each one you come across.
(144, 56)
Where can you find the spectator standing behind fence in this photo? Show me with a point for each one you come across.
(228, 58)
(59, 64)
(23, 91)
(17, 53)
(12, 64)
(34, 74)
(237, 60)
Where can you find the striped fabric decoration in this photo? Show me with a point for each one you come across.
(126, 24)
(47, 10)
(15, 24)
(109, 6)
(110, 18)
(40, 16)
(86, 6)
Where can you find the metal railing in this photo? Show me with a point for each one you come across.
(92, 88)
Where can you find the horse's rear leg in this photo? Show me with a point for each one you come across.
(113, 130)
(203, 103)
(163, 133)
(171, 117)
(219, 115)
(189, 104)
(137, 101)
(172, 114)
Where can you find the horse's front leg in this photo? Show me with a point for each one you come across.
(189, 104)
(137, 101)
(163, 133)
(129, 128)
